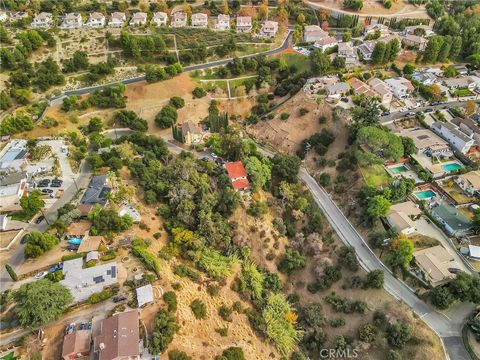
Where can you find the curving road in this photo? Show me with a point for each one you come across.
(448, 329)
(285, 45)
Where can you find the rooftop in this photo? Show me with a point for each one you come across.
(435, 262)
(453, 130)
(144, 295)
(90, 243)
(423, 138)
(452, 217)
(76, 342)
(12, 178)
(235, 170)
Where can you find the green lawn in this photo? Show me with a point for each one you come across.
(462, 93)
(301, 62)
(375, 175)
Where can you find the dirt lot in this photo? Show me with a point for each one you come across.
(286, 135)
(374, 7)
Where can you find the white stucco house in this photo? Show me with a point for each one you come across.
(223, 22)
(42, 21)
(160, 18)
(268, 30)
(138, 19)
(178, 19)
(72, 21)
(95, 20)
(244, 24)
(117, 19)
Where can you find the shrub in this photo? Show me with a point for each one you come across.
(102, 295)
(398, 335)
(178, 355)
(367, 333)
(185, 271)
(149, 260)
(284, 116)
(225, 312)
(303, 111)
(166, 117)
(164, 328)
(199, 309)
(73, 256)
(199, 92)
(177, 102)
(90, 263)
(213, 289)
(232, 353)
(222, 331)
(170, 299)
(11, 272)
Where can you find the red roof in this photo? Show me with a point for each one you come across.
(235, 170)
(240, 184)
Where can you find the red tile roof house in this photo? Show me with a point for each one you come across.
(119, 337)
(76, 344)
(238, 176)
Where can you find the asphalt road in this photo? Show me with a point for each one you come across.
(398, 115)
(17, 257)
(448, 329)
(285, 45)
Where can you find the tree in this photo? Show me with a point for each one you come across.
(286, 167)
(432, 49)
(41, 302)
(320, 62)
(435, 9)
(367, 333)
(199, 92)
(178, 355)
(5, 101)
(131, 120)
(11, 272)
(377, 207)
(166, 117)
(375, 279)
(368, 112)
(470, 108)
(199, 309)
(164, 328)
(409, 147)
(466, 287)
(107, 220)
(383, 142)
(378, 54)
(94, 125)
(32, 203)
(398, 335)
(401, 251)
(38, 243)
(353, 4)
(257, 209)
(177, 102)
(258, 172)
(291, 262)
(441, 297)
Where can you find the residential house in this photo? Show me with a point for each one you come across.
(361, 88)
(12, 187)
(72, 21)
(414, 41)
(42, 21)
(424, 77)
(178, 19)
(84, 282)
(474, 252)
(461, 69)
(462, 82)
(474, 82)
(3, 16)
(313, 33)
(366, 50)
(199, 20)
(18, 15)
(452, 219)
(434, 263)
(469, 127)
(144, 295)
(76, 344)
(456, 138)
(469, 182)
(411, 30)
(238, 176)
(373, 28)
(97, 191)
(130, 210)
(428, 142)
(244, 24)
(90, 243)
(382, 90)
(13, 158)
(337, 89)
(347, 51)
(326, 43)
(95, 20)
(401, 216)
(117, 19)
(192, 133)
(119, 337)
(138, 19)
(223, 22)
(160, 18)
(268, 30)
(400, 87)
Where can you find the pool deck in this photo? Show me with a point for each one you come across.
(408, 174)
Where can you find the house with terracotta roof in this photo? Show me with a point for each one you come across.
(119, 337)
(361, 88)
(76, 345)
(238, 176)
(382, 90)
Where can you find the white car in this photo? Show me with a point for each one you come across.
(41, 275)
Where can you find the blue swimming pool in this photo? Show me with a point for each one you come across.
(451, 167)
(425, 194)
(75, 241)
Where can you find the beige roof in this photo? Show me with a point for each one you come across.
(90, 243)
(473, 177)
(379, 86)
(119, 336)
(361, 88)
(423, 138)
(190, 127)
(326, 41)
(79, 228)
(399, 220)
(407, 207)
(76, 342)
(435, 262)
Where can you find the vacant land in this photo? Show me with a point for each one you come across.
(400, 8)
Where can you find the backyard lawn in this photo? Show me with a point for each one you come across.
(462, 93)
(375, 175)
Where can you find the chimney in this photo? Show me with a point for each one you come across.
(101, 346)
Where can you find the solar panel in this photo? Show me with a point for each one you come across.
(98, 279)
(114, 272)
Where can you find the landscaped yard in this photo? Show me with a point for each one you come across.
(462, 93)
(375, 175)
(456, 193)
(300, 62)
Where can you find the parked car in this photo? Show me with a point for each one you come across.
(71, 328)
(83, 326)
(56, 267)
(411, 113)
(24, 239)
(119, 298)
(428, 110)
(41, 275)
(89, 326)
(454, 270)
(47, 191)
(39, 219)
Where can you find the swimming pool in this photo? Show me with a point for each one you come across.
(75, 241)
(425, 194)
(398, 169)
(451, 166)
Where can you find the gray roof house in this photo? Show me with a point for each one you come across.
(452, 219)
(97, 191)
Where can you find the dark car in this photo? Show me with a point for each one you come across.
(24, 239)
(454, 270)
(47, 191)
(39, 219)
(345, 100)
(428, 110)
(55, 184)
(119, 298)
(42, 184)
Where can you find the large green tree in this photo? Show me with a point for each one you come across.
(164, 328)
(32, 203)
(258, 172)
(41, 302)
(320, 62)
